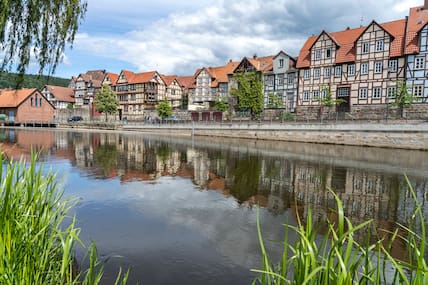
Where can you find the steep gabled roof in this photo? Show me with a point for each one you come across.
(418, 19)
(14, 98)
(186, 81)
(112, 76)
(347, 39)
(218, 74)
(61, 94)
(96, 77)
(129, 75)
(168, 79)
(144, 77)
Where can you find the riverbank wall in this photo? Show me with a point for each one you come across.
(410, 135)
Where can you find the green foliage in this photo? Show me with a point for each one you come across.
(38, 29)
(70, 106)
(164, 109)
(37, 237)
(106, 101)
(274, 101)
(403, 98)
(338, 258)
(221, 106)
(249, 92)
(12, 80)
(328, 99)
(285, 116)
(106, 157)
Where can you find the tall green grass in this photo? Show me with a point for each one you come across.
(37, 236)
(336, 257)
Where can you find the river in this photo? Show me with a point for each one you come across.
(183, 210)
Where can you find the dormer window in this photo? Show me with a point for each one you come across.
(328, 53)
(281, 63)
(379, 45)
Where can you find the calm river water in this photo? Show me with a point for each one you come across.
(183, 211)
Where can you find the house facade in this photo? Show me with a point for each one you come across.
(173, 91)
(211, 85)
(417, 58)
(138, 92)
(359, 67)
(281, 83)
(26, 106)
(60, 97)
(86, 85)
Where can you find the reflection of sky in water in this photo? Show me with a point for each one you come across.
(198, 235)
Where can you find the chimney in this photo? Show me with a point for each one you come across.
(255, 55)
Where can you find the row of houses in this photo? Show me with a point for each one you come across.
(364, 67)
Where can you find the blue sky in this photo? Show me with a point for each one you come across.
(177, 37)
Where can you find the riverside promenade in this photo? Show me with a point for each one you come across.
(394, 134)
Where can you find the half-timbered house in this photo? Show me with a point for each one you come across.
(359, 67)
(138, 92)
(174, 91)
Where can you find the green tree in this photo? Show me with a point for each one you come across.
(39, 30)
(249, 92)
(221, 106)
(327, 100)
(275, 101)
(403, 98)
(164, 109)
(106, 101)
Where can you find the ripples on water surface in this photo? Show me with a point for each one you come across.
(182, 211)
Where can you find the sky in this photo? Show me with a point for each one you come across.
(178, 37)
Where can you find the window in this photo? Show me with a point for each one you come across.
(377, 92)
(419, 63)
(290, 79)
(378, 66)
(126, 108)
(31, 100)
(323, 93)
(365, 48)
(343, 92)
(326, 71)
(391, 92)
(281, 63)
(418, 90)
(393, 65)
(351, 69)
(379, 45)
(363, 93)
(307, 74)
(133, 97)
(328, 53)
(306, 96)
(317, 54)
(364, 68)
(317, 73)
(40, 102)
(338, 71)
(315, 95)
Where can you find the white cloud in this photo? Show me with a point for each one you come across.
(181, 42)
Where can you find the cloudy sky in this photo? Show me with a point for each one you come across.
(177, 37)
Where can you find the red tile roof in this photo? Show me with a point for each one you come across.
(168, 79)
(13, 98)
(62, 94)
(418, 19)
(186, 81)
(112, 76)
(219, 74)
(346, 41)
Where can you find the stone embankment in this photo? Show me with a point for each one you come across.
(407, 135)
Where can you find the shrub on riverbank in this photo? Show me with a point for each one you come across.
(341, 259)
(37, 237)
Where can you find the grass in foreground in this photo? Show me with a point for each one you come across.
(37, 237)
(340, 259)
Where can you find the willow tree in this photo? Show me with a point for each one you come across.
(37, 30)
(249, 92)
